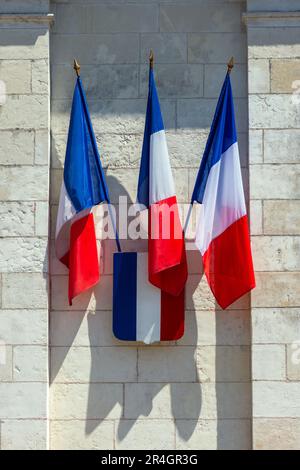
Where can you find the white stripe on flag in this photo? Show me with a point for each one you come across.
(147, 304)
(223, 201)
(161, 184)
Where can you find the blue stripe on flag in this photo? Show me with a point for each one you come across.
(83, 174)
(124, 296)
(222, 136)
(154, 123)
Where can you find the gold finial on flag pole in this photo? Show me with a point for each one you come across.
(230, 65)
(151, 59)
(76, 67)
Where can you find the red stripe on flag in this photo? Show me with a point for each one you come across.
(167, 256)
(82, 259)
(172, 316)
(228, 263)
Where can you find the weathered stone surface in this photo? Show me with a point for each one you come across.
(223, 363)
(30, 183)
(16, 400)
(276, 289)
(275, 325)
(282, 146)
(17, 219)
(282, 217)
(255, 146)
(132, 435)
(23, 255)
(29, 6)
(172, 364)
(40, 76)
(258, 76)
(284, 74)
(98, 364)
(24, 326)
(42, 144)
(86, 401)
(73, 435)
(194, 18)
(30, 364)
(108, 49)
(169, 48)
(293, 360)
(179, 80)
(274, 181)
(279, 399)
(214, 77)
(42, 219)
(70, 18)
(256, 217)
(268, 362)
(24, 434)
(35, 43)
(218, 434)
(276, 433)
(268, 43)
(24, 112)
(16, 82)
(5, 362)
(279, 253)
(205, 47)
(16, 147)
(273, 111)
(32, 290)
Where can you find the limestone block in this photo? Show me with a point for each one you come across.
(98, 364)
(17, 219)
(25, 112)
(109, 49)
(273, 111)
(282, 146)
(86, 401)
(16, 400)
(268, 43)
(223, 363)
(30, 183)
(259, 76)
(275, 325)
(82, 435)
(179, 80)
(5, 362)
(274, 181)
(293, 360)
(23, 255)
(268, 362)
(230, 327)
(29, 6)
(280, 399)
(194, 18)
(24, 434)
(222, 401)
(35, 43)
(26, 290)
(123, 18)
(123, 150)
(168, 48)
(172, 364)
(275, 5)
(100, 82)
(16, 147)
(276, 433)
(255, 146)
(30, 364)
(227, 434)
(186, 149)
(284, 74)
(132, 435)
(279, 289)
(16, 82)
(40, 76)
(216, 47)
(276, 253)
(70, 18)
(214, 75)
(42, 219)
(256, 217)
(24, 326)
(282, 217)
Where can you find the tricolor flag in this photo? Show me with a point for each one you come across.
(222, 233)
(167, 266)
(83, 187)
(141, 311)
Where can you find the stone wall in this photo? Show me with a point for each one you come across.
(24, 196)
(106, 394)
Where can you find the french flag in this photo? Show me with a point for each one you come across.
(83, 187)
(167, 267)
(141, 311)
(222, 233)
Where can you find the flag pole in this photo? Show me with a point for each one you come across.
(151, 59)
(230, 65)
(76, 67)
